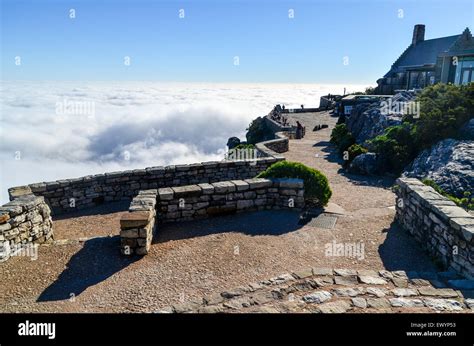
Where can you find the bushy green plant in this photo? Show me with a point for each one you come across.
(466, 202)
(396, 147)
(355, 150)
(245, 146)
(342, 138)
(444, 108)
(316, 185)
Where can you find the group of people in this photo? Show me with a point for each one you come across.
(276, 115)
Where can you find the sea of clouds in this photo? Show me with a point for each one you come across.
(57, 130)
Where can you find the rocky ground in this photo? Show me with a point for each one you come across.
(84, 271)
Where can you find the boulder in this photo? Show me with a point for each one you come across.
(368, 121)
(366, 164)
(449, 163)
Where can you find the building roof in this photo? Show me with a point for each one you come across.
(423, 53)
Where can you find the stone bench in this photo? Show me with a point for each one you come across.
(138, 225)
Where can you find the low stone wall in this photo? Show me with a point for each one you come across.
(225, 197)
(445, 230)
(274, 147)
(25, 220)
(137, 227)
(70, 194)
(182, 203)
(277, 127)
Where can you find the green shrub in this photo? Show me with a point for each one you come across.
(395, 148)
(342, 138)
(466, 202)
(316, 185)
(444, 108)
(355, 150)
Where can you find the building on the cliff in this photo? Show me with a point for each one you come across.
(425, 62)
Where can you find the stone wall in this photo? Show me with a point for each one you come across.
(445, 230)
(70, 194)
(137, 227)
(274, 147)
(181, 203)
(23, 221)
(277, 127)
(225, 197)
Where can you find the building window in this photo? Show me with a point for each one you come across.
(464, 71)
(467, 75)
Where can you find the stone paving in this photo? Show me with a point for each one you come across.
(324, 290)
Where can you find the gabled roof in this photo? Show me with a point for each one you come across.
(423, 53)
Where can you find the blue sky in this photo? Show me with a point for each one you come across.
(271, 47)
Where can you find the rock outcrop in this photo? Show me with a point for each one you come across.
(450, 163)
(368, 120)
(366, 164)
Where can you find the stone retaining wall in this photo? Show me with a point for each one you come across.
(25, 220)
(274, 147)
(137, 227)
(70, 194)
(445, 230)
(225, 197)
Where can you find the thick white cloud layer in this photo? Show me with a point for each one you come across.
(55, 130)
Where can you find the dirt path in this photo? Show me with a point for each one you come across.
(194, 259)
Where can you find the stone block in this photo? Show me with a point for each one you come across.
(135, 219)
(224, 186)
(18, 191)
(165, 194)
(186, 191)
(378, 303)
(241, 185)
(129, 233)
(206, 188)
(258, 183)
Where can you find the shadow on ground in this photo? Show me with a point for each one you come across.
(400, 251)
(101, 209)
(369, 180)
(267, 222)
(98, 259)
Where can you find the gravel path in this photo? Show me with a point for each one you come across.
(193, 259)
